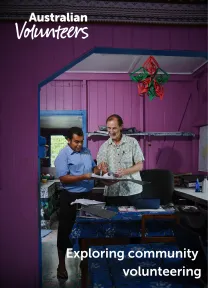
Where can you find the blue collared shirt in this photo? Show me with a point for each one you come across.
(69, 162)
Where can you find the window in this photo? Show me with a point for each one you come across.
(58, 142)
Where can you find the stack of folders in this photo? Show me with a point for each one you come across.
(133, 209)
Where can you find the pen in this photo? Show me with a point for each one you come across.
(100, 172)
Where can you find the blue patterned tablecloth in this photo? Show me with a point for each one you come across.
(123, 224)
(108, 272)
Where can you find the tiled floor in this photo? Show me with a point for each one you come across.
(50, 263)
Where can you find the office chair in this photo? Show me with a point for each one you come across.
(161, 187)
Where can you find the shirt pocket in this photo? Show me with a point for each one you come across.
(127, 158)
(87, 163)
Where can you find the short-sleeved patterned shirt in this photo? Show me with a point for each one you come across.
(125, 155)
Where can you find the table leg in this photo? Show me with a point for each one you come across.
(86, 243)
(84, 265)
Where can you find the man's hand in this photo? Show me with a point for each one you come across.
(103, 166)
(87, 176)
(128, 171)
(72, 179)
(120, 172)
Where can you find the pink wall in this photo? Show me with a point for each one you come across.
(173, 113)
(24, 64)
(62, 95)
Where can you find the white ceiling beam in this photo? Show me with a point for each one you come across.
(199, 67)
(134, 63)
(179, 65)
(125, 72)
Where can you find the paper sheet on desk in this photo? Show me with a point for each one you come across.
(105, 178)
(132, 209)
(87, 202)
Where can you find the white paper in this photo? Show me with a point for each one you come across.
(132, 209)
(108, 178)
(86, 202)
(104, 177)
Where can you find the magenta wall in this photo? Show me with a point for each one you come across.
(105, 94)
(24, 64)
(62, 95)
(171, 114)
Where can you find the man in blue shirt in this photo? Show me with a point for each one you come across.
(74, 166)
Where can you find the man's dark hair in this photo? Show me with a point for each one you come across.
(115, 116)
(74, 130)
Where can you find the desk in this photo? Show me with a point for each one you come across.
(118, 231)
(190, 194)
(124, 224)
(108, 272)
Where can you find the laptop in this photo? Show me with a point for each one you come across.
(147, 203)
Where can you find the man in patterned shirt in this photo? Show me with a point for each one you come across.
(123, 156)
